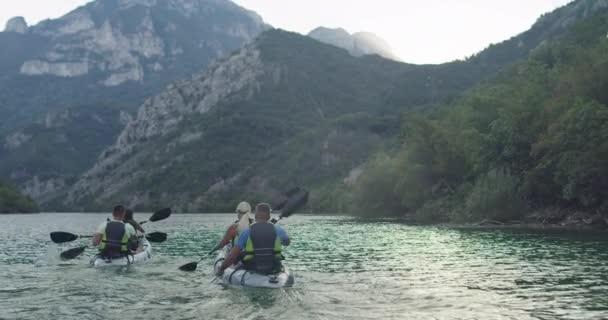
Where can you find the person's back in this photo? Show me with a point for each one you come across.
(114, 238)
(263, 249)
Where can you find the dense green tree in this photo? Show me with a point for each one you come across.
(535, 136)
(12, 201)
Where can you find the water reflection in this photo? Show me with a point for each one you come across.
(345, 268)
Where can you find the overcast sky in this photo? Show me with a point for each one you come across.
(420, 31)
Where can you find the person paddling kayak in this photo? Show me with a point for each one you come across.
(242, 222)
(259, 246)
(115, 238)
(130, 220)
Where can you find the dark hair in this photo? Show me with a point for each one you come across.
(262, 208)
(128, 214)
(118, 209)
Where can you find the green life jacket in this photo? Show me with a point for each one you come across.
(263, 251)
(114, 240)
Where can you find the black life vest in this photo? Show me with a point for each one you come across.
(114, 240)
(263, 251)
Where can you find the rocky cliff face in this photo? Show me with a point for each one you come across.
(283, 109)
(16, 24)
(128, 40)
(358, 44)
(69, 86)
(114, 51)
(162, 116)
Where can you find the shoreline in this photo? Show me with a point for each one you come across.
(530, 226)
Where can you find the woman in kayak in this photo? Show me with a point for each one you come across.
(130, 220)
(243, 221)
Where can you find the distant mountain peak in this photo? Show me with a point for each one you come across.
(126, 40)
(16, 24)
(358, 44)
(115, 52)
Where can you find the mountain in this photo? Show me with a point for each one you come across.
(284, 110)
(12, 201)
(358, 44)
(530, 145)
(44, 158)
(69, 86)
(115, 52)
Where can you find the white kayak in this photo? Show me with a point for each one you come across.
(237, 276)
(139, 258)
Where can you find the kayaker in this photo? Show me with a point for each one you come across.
(232, 233)
(130, 220)
(260, 245)
(115, 238)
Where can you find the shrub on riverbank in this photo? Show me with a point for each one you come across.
(12, 201)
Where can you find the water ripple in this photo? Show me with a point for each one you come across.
(345, 269)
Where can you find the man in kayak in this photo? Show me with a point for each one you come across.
(115, 238)
(259, 246)
(232, 234)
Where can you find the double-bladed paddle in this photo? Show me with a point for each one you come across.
(155, 237)
(159, 215)
(63, 237)
(72, 253)
(297, 198)
(192, 265)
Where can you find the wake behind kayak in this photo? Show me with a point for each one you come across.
(237, 276)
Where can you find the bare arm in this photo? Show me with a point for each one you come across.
(137, 226)
(231, 259)
(96, 239)
(230, 233)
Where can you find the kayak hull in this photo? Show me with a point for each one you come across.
(237, 276)
(138, 258)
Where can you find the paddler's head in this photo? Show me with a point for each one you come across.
(128, 215)
(242, 209)
(119, 212)
(262, 212)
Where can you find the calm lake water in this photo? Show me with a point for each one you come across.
(345, 269)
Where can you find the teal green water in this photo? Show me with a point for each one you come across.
(345, 269)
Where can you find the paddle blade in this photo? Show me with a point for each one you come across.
(292, 192)
(294, 203)
(157, 237)
(63, 237)
(72, 253)
(287, 196)
(189, 266)
(160, 215)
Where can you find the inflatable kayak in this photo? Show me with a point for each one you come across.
(237, 276)
(139, 258)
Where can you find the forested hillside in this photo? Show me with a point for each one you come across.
(536, 137)
(12, 201)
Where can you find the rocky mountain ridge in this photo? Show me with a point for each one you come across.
(358, 44)
(284, 110)
(115, 50)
